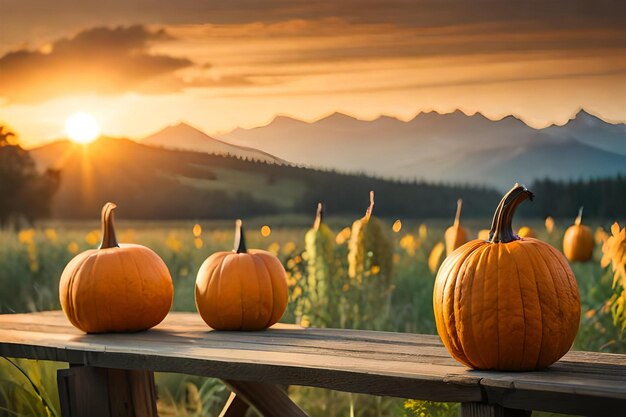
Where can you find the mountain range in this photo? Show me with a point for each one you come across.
(185, 137)
(453, 147)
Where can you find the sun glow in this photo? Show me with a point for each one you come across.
(82, 128)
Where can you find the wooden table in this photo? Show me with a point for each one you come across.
(111, 374)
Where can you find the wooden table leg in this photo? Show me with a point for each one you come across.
(268, 399)
(86, 391)
(234, 407)
(490, 410)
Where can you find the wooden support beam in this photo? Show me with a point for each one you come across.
(86, 391)
(268, 399)
(490, 410)
(234, 407)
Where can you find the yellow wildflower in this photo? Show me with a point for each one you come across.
(26, 236)
(274, 247)
(196, 230)
(93, 238)
(422, 232)
(173, 243)
(72, 248)
(51, 234)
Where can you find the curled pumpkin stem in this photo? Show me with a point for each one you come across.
(240, 240)
(319, 216)
(579, 218)
(370, 208)
(502, 225)
(459, 207)
(108, 228)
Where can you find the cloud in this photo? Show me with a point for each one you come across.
(96, 61)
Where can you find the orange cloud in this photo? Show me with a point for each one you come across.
(99, 60)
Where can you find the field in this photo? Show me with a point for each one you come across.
(32, 260)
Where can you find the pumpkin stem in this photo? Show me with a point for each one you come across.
(579, 218)
(502, 224)
(108, 229)
(368, 212)
(319, 216)
(240, 240)
(459, 207)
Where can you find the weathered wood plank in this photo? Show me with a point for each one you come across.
(402, 365)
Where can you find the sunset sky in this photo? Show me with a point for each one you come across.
(139, 65)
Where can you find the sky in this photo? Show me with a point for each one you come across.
(139, 65)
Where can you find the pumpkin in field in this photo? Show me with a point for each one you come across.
(483, 234)
(508, 303)
(116, 288)
(526, 231)
(369, 248)
(242, 289)
(455, 235)
(320, 248)
(578, 241)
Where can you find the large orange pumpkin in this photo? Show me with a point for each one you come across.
(241, 290)
(455, 235)
(578, 241)
(508, 303)
(116, 288)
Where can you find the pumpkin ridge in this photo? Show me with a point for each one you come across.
(529, 256)
(498, 247)
(572, 288)
(519, 287)
(241, 286)
(219, 289)
(69, 297)
(546, 315)
(269, 320)
(258, 282)
(559, 309)
(520, 257)
(475, 334)
(464, 319)
(208, 285)
(258, 260)
(97, 299)
(141, 280)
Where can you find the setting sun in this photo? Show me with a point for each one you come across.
(82, 127)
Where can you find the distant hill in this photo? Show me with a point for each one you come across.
(150, 182)
(453, 147)
(185, 137)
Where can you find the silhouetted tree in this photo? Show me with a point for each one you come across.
(24, 192)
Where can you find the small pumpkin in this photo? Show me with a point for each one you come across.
(508, 303)
(117, 287)
(241, 290)
(526, 231)
(578, 242)
(483, 234)
(455, 235)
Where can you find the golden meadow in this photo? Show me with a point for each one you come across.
(31, 262)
